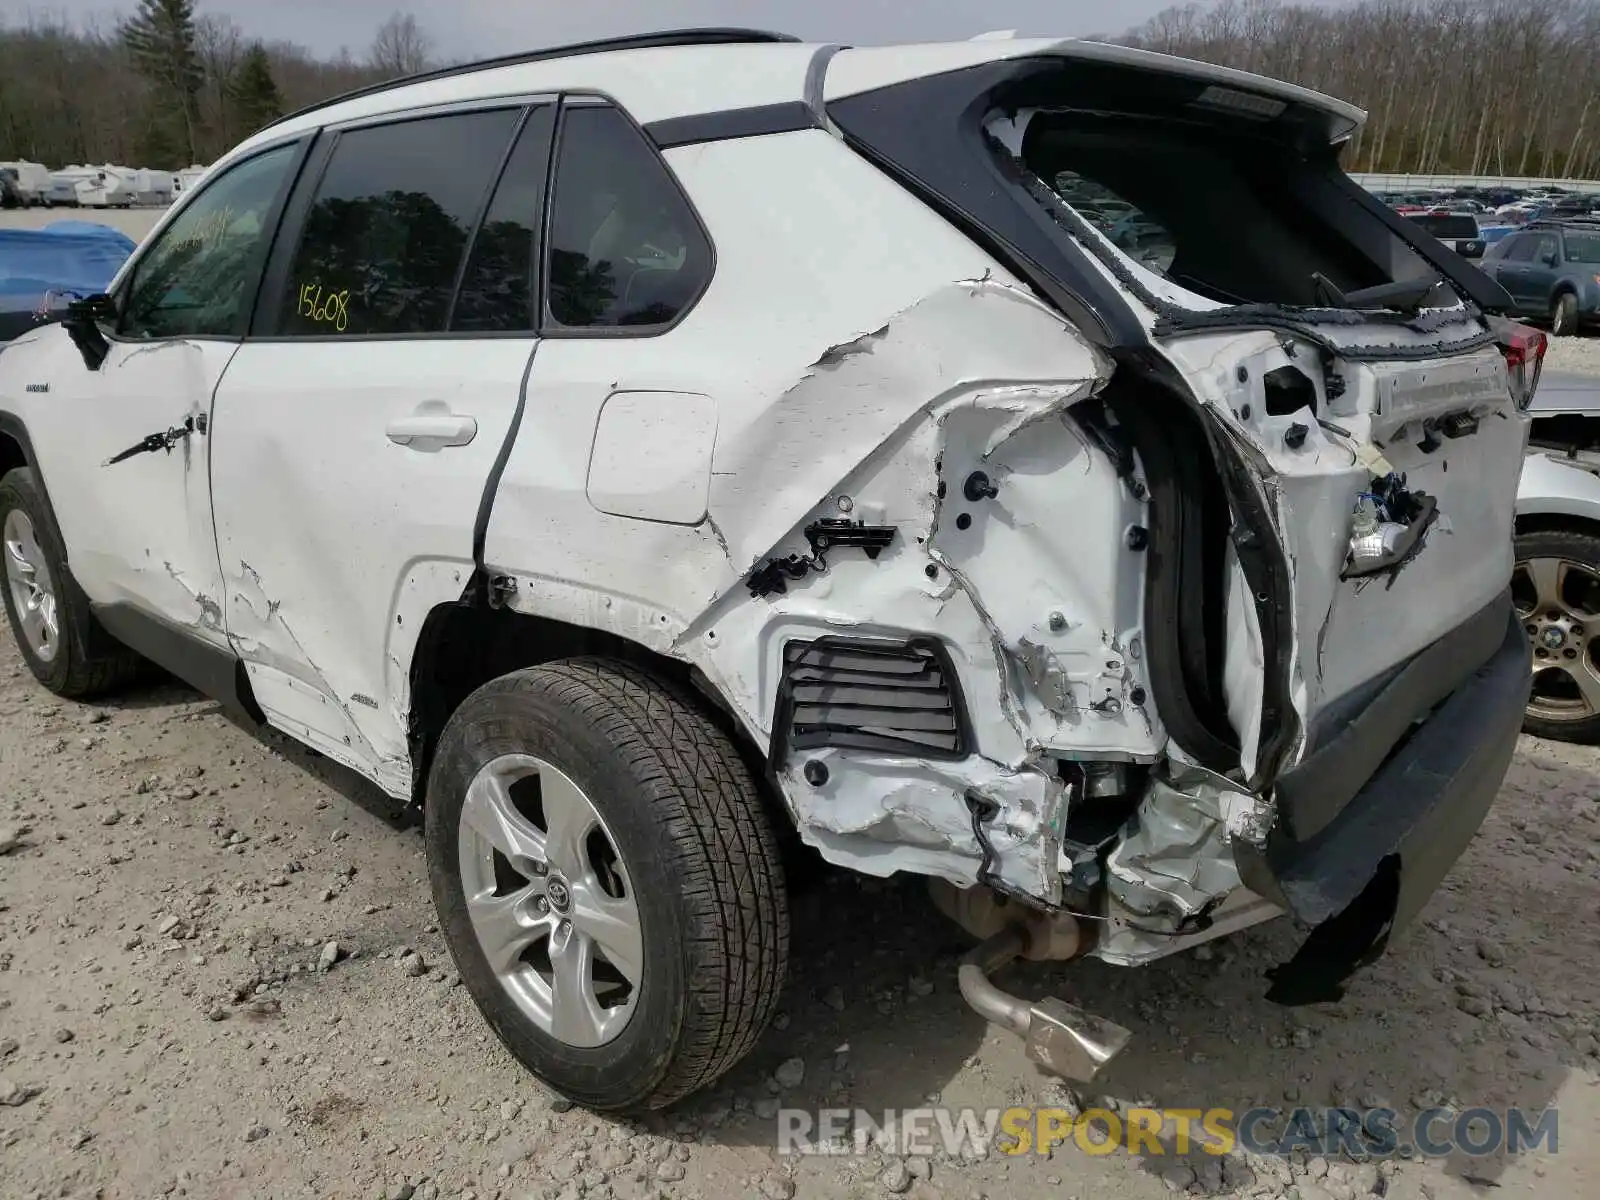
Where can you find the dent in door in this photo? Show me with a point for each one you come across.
(294, 694)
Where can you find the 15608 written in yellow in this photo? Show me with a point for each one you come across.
(325, 307)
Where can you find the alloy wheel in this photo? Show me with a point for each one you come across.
(550, 900)
(1558, 602)
(33, 594)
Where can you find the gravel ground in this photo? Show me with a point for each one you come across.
(1574, 355)
(220, 977)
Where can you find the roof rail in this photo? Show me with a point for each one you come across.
(1577, 218)
(714, 36)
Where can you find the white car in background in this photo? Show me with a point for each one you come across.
(1556, 586)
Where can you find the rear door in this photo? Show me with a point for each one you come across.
(355, 431)
(1541, 272)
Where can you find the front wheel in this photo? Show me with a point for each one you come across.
(607, 881)
(1564, 315)
(1556, 590)
(60, 640)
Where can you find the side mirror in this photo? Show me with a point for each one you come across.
(82, 324)
(1551, 259)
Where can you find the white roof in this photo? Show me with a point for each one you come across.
(659, 83)
(653, 84)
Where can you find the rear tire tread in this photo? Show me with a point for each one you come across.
(665, 738)
(725, 860)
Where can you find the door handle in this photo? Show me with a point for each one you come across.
(432, 426)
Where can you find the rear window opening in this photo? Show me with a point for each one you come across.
(1218, 212)
(1452, 225)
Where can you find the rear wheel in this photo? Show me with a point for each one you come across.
(60, 640)
(1564, 315)
(607, 881)
(1556, 590)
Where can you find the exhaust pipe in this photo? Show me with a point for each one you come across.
(1060, 1037)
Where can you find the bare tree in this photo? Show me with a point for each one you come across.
(1451, 86)
(401, 47)
(1484, 87)
(220, 45)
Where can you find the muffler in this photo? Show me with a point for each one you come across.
(1060, 1037)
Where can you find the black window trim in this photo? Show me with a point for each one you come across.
(271, 224)
(485, 202)
(263, 326)
(548, 326)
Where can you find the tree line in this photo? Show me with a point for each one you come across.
(1474, 87)
(168, 86)
(1481, 87)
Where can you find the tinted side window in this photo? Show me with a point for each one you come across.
(1519, 247)
(497, 287)
(198, 279)
(388, 225)
(625, 248)
(1545, 248)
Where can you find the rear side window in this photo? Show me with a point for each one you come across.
(498, 286)
(387, 230)
(1583, 247)
(626, 251)
(1518, 247)
(1452, 227)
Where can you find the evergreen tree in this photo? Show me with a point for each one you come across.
(253, 92)
(160, 40)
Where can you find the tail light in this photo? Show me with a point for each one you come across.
(1524, 349)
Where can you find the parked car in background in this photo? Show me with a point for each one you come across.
(42, 269)
(1458, 230)
(1556, 582)
(1551, 270)
(10, 189)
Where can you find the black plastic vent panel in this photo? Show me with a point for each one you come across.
(861, 694)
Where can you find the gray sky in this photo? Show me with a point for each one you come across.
(479, 28)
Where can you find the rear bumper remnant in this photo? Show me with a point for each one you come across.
(1359, 873)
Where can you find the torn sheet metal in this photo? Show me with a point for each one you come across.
(1313, 462)
(881, 815)
(287, 684)
(1016, 543)
(1173, 870)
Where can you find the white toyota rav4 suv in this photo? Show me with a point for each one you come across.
(1030, 464)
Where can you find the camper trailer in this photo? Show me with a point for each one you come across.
(32, 180)
(65, 185)
(110, 187)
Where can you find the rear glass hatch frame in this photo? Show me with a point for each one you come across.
(932, 134)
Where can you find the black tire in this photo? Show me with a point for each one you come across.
(686, 815)
(1564, 315)
(1541, 719)
(88, 661)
